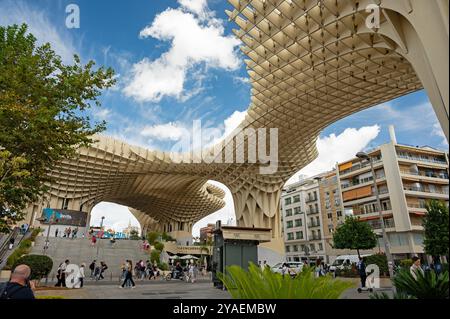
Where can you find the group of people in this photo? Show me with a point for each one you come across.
(68, 232)
(97, 270)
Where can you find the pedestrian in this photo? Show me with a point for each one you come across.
(74, 233)
(265, 264)
(56, 232)
(92, 268)
(19, 286)
(319, 271)
(103, 268)
(361, 267)
(93, 241)
(61, 274)
(11, 243)
(416, 267)
(81, 274)
(129, 275)
(192, 271)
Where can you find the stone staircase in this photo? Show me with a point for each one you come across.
(79, 250)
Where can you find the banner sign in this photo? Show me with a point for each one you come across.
(64, 217)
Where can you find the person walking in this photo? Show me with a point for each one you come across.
(81, 274)
(19, 286)
(11, 243)
(129, 275)
(103, 268)
(92, 268)
(93, 240)
(319, 271)
(361, 267)
(56, 232)
(416, 267)
(62, 269)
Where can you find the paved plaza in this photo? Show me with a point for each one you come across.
(168, 290)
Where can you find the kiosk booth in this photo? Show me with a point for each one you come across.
(236, 246)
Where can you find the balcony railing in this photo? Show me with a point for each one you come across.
(311, 199)
(429, 174)
(357, 167)
(315, 237)
(315, 224)
(411, 205)
(376, 224)
(424, 190)
(312, 211)
(363, 181)
(419, 159)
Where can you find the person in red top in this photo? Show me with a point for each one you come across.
(93, 241)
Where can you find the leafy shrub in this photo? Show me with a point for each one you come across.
(347, 271)
(167, 237)
(428, 285)
(159, 246)
(155, 256)
(40, 265)
(397, 295)
(444, 267)
(265, 284)
(152, 237)
(406, 263)
(163, 266)
(381, 261)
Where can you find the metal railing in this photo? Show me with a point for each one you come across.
(5, 246)
(424, 190)
(420, 159)
(358, 167)
(425, 174)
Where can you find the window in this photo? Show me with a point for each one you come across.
(299, 235)
(297, 211)
(317, 220)
(290, 236)
(65, 203)
(330, 216)
(296, 198)
(288, 212)
(289, 224)
(339, 213)
(320, 246)
(288, 249)
(298, 223)
(295, 248)
(312, 247)
(287, 201)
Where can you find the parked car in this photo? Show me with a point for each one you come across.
(343, 261)
(296, 266)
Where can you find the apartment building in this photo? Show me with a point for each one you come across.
(406, 177)
(302, 221)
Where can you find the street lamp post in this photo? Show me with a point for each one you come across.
(98, 244)
(387, 245)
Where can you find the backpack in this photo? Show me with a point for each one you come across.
(92, 266)
(4, 294)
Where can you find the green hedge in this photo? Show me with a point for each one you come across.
(406, 263)
(23, 249)
(381, 261)
(40, 265)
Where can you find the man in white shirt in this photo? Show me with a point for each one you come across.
(415, 267)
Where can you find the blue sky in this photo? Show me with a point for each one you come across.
(177, 61)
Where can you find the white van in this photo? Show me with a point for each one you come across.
(296, 266)
(344, 260)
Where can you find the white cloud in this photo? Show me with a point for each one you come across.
(18, 12)
(169, 131)
(102, 114)
(437, 130)
(193, 42)
(199, 7)
(338, 148)
(117, 216)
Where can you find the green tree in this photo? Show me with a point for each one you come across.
(436, 229)
(354, 234)
(152, 237)
(43, 105)
(134, 235)
(13, 180)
